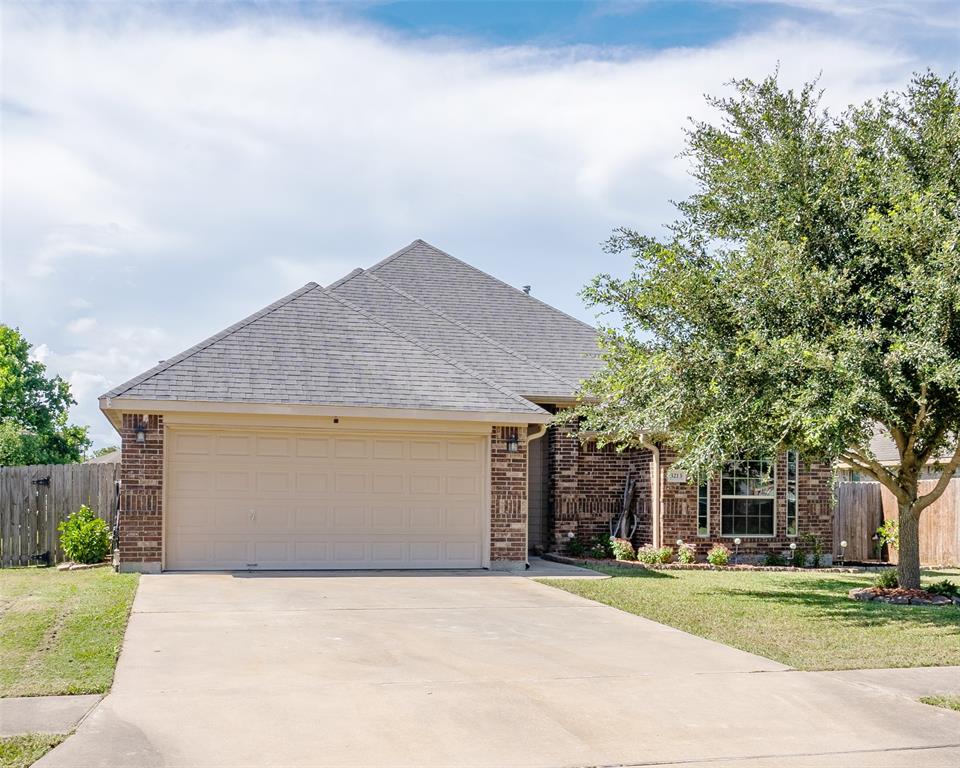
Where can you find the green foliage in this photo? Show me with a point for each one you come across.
(601, 548)
(664, 554)
(813, 545)
(773, 558)
(104, 451)
(808, 291)
(945, 587)
(889, 534)
(34, 409)
(798, 558)
(718, 555)
(622, 549)
(576, 547)
(887, 579)
(686, 554)
(648, 554)
(85, 538)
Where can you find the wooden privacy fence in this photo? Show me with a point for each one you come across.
(863, 506)
(35, 499)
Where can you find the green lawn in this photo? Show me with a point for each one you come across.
(22, 751)
(60, 631)
(947, 702)
(804, 620)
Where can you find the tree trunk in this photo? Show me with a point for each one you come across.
(908, 549)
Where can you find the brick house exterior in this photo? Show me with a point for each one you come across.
(508, 498)
(141, 491)
(587, 485)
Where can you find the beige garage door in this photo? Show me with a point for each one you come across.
(270, 500)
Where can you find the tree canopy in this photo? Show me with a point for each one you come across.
(34, 409)
(807, 294)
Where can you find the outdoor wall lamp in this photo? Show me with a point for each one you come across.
(142, 432)
(513, 444)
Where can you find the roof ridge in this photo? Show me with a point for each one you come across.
(346, 278)
(418, 241)
(169, 362)
(473, 331)
(435, 352)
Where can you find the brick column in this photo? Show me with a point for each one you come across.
(508, 499)
(141, 494)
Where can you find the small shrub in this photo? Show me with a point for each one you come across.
(622, 549)
(814, 545)
(85, 538)
(664, 555)
(887, 579)
(648, 554)
(798, 557)
(946, 588)
(686, 554)
(576, 547)
(773, 559)
(601, 548)
(718, 555)
(889, 534)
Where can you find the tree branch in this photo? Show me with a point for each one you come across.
(927, 499)
(876, 470)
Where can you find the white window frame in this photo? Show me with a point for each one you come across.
(793, 483)
(703, 486)
(772, 497)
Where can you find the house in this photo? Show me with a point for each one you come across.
(400, 418)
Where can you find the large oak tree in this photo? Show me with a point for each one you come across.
(807, 295)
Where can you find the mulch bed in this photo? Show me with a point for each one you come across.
(692, 566)
(901, 596)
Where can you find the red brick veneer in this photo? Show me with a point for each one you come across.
(141, 493)
(508, 498)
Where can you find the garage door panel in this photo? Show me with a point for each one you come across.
(239, 500)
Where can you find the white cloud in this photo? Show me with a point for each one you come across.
(82, 325)
(179, 177)
(40, 353)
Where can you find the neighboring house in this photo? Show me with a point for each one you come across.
(111, 457)
(399, 419)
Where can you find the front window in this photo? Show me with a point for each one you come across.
(747, 498)
(703, 508)
(793, 474)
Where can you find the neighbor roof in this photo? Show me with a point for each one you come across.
(315, 348)
(419, 330)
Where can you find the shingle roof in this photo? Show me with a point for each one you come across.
(458, 340)
(315, 347)
(535, 330)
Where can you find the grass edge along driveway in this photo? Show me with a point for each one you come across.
(61, 631)
(23, 751)
(804, 620)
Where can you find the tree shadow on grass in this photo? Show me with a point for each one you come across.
(829, 601)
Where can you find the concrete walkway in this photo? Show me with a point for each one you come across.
(435, 669)
(912, 682)
(43, 714)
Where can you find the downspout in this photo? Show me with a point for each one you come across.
(656, 502)
(539, 431)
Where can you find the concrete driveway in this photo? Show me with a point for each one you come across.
(474, 670)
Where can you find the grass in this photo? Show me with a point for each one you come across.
(60, 631)
(947, 702)
(804, 620)
(21, 751)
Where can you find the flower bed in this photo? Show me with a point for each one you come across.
(693, 566)
(901, 596)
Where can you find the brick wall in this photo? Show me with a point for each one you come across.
(141, 493)
(814, 511)
(586, 486)
(508, 498)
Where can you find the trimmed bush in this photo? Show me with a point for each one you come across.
(664, 555)
(622, 549)
(718, 555)
(647, 554)
(600, 548)
(946, 588)
(773, 558)
(576, 547)
(887, 579)
(686, 554)
(85, 538)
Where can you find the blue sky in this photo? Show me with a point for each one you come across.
(169, 168)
